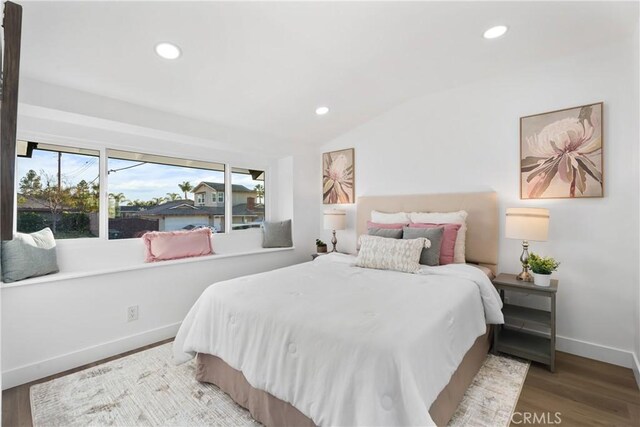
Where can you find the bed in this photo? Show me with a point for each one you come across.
(326, 343)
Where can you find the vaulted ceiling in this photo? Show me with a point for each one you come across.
(265, 66)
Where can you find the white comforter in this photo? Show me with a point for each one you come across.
(347, 346)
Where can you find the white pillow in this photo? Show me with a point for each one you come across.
(391, 254)
(390, 218)
(459, 217)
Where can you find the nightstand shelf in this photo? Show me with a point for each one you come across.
(528, 332)
(515, 314)
(525, 345)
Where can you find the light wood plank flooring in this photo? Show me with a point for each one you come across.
(585, 393)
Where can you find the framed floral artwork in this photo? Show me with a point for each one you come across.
(338, 177)
(561, 154)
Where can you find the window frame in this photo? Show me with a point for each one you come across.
(103, 211)
(229, 190)
(103, 197)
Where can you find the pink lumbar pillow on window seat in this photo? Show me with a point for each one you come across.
(166, 245)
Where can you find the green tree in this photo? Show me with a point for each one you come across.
(55, 196)
(173, 196)
(186, 188)
(84, 198)
(31, 184)
(158, 200)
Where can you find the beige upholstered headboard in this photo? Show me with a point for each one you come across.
(482, 222)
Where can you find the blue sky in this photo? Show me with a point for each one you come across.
(141, 182)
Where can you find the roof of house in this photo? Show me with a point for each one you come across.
(131, 208)
(31, 203)
(187, 208)
(219, 186)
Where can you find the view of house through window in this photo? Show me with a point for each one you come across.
(157, 193)
(58, 188)
(248, 198)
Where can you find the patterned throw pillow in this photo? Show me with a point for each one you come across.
(391, 254)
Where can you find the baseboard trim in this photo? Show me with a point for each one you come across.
(27, 373)
(599, 352)
(636, 369)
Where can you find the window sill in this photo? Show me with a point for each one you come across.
(56, 277)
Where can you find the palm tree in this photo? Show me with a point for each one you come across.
(259, 189)
(117, 199)
(158, 200)
(173, 196)
(186, 187)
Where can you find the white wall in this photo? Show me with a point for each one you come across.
(53, 326)
(466, 139)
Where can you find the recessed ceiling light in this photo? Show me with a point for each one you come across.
(321, 111)
(168, 50)
(495, 32)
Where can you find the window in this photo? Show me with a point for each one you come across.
(221, 197)
(149, 192)
(247, 198)
(59, 188)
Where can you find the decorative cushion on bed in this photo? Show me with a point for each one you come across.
(390, 218)
(166, 245)
(389, 233)
(29, 255)
(277, 234)
(430, 256)
(449, 236)
(393, 226)
(391, 254)
(459, 217)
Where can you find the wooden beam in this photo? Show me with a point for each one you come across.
(12, 25)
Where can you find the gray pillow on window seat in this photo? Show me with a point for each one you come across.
(277, 234)
(429, 256)
(29, 255)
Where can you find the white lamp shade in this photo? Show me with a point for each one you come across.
(335, 220)
(527, 224)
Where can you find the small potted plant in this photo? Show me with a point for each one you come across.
(542, 267)
(321, 246)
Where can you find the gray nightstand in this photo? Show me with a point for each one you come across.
(317, 254)
(515, 337)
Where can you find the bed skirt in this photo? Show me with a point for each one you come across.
(271, 411)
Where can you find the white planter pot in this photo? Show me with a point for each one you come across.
(543, 280)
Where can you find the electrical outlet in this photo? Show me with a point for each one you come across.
(132, 313)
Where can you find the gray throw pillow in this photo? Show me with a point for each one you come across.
(277, 234)
(389, 233)
(29, 255)
(430, 256)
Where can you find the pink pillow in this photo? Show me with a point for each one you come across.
(165, 245)
(371, 224)
(448, 239)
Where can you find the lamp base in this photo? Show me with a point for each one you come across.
(525, 276)
(334, 241)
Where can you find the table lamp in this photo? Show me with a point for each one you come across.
(527, 224)
(335, 220)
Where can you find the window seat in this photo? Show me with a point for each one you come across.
(55, 277)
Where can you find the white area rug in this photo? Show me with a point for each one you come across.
(146, 389)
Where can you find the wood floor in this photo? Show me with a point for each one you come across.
(583, 392)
